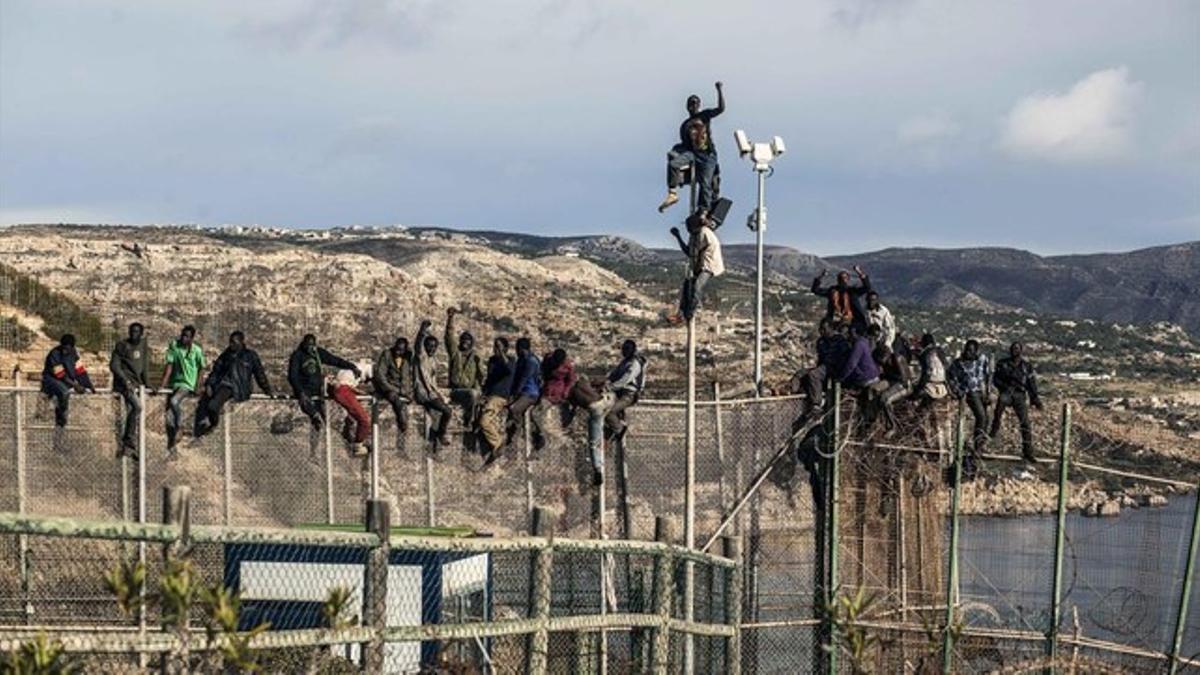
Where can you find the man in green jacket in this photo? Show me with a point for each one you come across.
(129, 365)
(185, 361)
(467, 371)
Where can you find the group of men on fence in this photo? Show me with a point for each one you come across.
(492, 396)
(859, 347)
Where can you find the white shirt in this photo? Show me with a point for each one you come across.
(710, 259)
(882, 317)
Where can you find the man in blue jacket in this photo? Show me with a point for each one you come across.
(526, 389)
(63, 374)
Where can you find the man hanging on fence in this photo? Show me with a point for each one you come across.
(563, 387)
(626, 382)
(229, 379)
(895, 376)
(843, 301)
(496, 388)
(705, 261)
(184, 362)
(466, 372)
(525, 392)
(306, 377)
(426, 390)
(62, 375)
(1017, 386)
(392, 379)
(344, 388)
(130, 372)
(970, 380)
(832, 351)
(696, 150)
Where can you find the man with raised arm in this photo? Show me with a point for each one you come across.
(466, 371)
(181, 376)
(697, 150)
(231, 378)
(844, 302)
(130, 371)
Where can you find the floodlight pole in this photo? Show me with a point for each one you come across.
(759, 228)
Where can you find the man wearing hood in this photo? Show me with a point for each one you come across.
(466, 370)
(307, 379)
(130, 365)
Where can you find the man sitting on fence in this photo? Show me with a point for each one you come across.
(307, 380)
(466, 373)
(832, 350)
(1017, 385)
(626, 382)
(130, 372)
(525, 392)
(343, 388)
(895, 376)
(184, 363)
(392, 379)
(970, 380)
(230, 378)
(62, 375)
(496, 388)
(564, 387)
(426, 390)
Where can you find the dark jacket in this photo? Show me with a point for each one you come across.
(527, 377)
(63, 364)
(235, 370)
(860, 366)
(499, 379)
(629, 377)
(465, 368)
(1014, 376)
(832, 352)
(304, 370)
(853, 296)
(391, 378)
(129, 365)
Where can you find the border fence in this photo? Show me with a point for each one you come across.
(858, 557)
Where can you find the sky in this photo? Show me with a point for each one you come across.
(1065, 126)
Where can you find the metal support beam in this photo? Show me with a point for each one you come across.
(952, 575)
(689, 523)
(759, 230)
(664, 587)
(227, 473)
(1186, 592)
(1060, 524)
(834, 583)
(540, 575)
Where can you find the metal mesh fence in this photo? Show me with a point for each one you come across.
(1121, 577)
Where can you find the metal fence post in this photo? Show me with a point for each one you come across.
(720, 438)
(952, 575)
(22, 497)
(526, 438)
(731, 547)
(430, 515)
(141, 511)
(374, 458)
(834, 524)
(541, 568)
(1059, 538)
(663, 594)
(227, 458)
(689, 520)
(375, 589)
(1186, 592)
(330, 514)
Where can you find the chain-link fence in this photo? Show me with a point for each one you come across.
(1119, 590)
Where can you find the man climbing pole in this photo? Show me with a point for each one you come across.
(703, 250)
(697, 150)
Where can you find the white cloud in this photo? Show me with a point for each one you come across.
(1092, 121)
(933, 126)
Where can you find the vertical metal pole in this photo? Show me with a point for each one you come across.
(374, 457)
(834, 583)
(23, 540)
(663, 596)
(720, 448)
(527, 439)
(541, 569)
(952, 575)
(731, 547)
(759, 230)
(1185, 594)
(1059, 538)
(141, 512)
(330, 515)
(227, 455)
(689, 523)
(430, 516)
(602, 649)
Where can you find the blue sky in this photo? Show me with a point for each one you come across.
(1066, 126)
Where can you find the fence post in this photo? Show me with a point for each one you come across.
(720, 438)
(22, 497)
(227, 458)
(952, 574)
(1185, 594)
(731, 547)
(141, 511)
(1059, 538)
(430, 515)
(374, 458)
(378, 521)
(834, 524)
(540, 571)
(527, 442)
(177, 511)
(664, 590)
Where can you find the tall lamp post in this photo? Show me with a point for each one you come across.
(761, 154)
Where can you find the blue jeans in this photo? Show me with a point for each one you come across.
(705, 170)
(61, 393)
(174, 413)
(692, 293)
(133, 414)
(596, 412)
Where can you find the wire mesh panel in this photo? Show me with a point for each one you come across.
(72, 470)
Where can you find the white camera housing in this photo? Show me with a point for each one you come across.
(743, 143)
(777, 146)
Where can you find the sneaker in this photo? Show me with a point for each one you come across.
(358, 450)
(671, 199)
(489, 458)
(597, 477)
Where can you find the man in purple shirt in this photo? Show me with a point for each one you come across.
(859, 370)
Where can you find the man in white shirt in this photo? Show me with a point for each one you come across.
(703, 250)
(878, 315)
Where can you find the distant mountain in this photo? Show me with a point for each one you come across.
(1147, 285)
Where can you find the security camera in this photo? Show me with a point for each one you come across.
(743, 143)
(777, 146)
